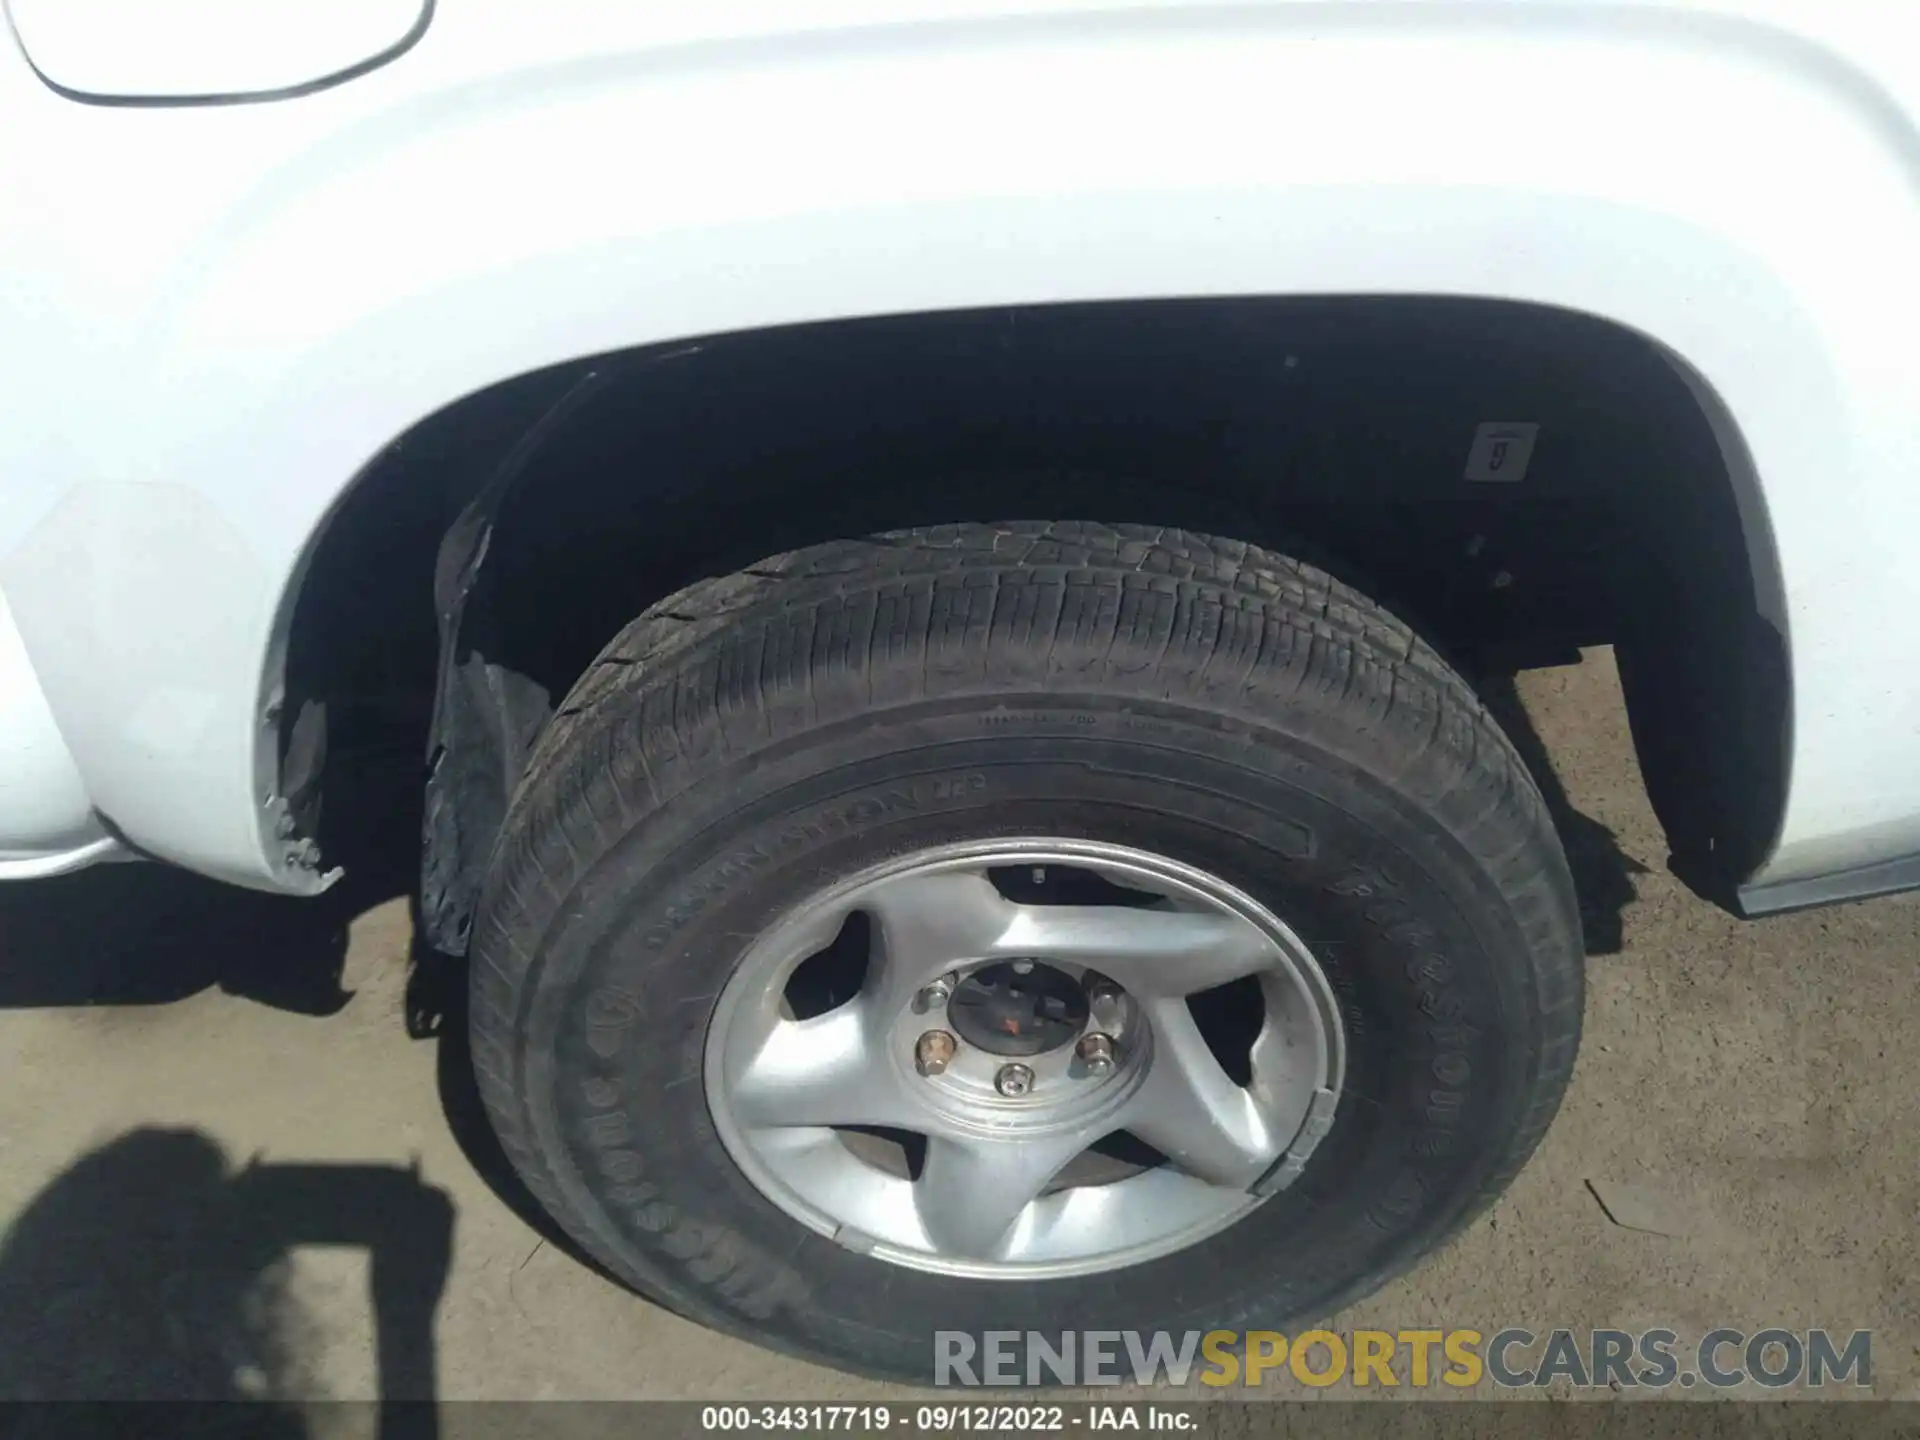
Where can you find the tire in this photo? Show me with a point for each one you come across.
(756, 737)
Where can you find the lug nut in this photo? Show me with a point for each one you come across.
(935, 994)
(1096, 1053)
(1013, 1081)
(933, 1053)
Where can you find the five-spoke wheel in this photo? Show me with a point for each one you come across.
(1060, 1029)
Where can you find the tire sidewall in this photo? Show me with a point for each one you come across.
(1421, 950)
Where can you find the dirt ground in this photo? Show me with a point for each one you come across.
(226, 1166)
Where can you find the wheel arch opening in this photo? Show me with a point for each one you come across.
(479, 564)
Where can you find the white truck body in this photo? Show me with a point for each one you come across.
(230, 279)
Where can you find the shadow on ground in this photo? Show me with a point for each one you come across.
(148, 934)
(155, 1269)
(140, 934)
(1602, 872)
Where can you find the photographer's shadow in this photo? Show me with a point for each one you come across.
(156, 1266)
(153, 1268)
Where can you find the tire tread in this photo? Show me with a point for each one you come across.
(728, 664)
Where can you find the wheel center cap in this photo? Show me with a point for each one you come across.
(1018, 1007)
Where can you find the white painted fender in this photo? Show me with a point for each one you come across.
(117, 50)
(1737, 181)
(47, 826)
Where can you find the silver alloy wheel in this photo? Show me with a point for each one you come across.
(782, 1090)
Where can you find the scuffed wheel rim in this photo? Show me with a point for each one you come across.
(998, 1123)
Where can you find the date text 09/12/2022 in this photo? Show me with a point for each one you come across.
(987, 1418)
